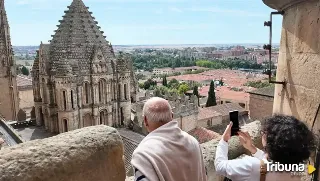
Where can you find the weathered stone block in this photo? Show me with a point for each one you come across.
(92, 153)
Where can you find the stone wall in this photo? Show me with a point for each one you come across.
(26, 100)
(299, 59)
(92, 153)
(260, 106)
(9, 106)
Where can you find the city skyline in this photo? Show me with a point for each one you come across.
(150, 22)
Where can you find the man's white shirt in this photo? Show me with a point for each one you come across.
(243, 169)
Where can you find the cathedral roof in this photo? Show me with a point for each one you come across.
(75, 39)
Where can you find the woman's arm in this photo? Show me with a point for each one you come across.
(239, 169)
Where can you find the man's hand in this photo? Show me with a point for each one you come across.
(246, 141)
(227, 133)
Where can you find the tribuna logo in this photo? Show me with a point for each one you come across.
(278, 167)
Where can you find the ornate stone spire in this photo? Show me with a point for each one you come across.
(35, 66)
(5, 41)
(9, 105)
(76, 37)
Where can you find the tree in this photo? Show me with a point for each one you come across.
(211, 96)
(164, 81)
(149, 83)
(25, 71)
(183, 88)
(196, 93)
(174, 84)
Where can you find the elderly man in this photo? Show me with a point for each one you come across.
(167, 153)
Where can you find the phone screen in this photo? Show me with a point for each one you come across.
(234, 117)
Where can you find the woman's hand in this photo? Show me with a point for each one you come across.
(227, 133)
(246, 141)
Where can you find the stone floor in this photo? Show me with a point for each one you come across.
(33, 133)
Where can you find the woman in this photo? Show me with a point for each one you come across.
(285, 139)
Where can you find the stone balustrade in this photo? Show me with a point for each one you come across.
(92, 153)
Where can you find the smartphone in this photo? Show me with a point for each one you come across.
(234, 117)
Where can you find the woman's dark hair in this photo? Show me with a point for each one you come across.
(288, 140)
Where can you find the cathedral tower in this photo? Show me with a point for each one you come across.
(9, 100)
(80, 81)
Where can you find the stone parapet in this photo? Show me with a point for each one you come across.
(92, 153)
(281, 5)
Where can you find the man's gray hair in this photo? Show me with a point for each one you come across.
(157, 109)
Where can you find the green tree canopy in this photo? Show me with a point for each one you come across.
(149, 83)
(183, 88)
(25, 71)
(211, 96)
(174, 83)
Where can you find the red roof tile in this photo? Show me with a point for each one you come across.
(203, 135)
(23, 81)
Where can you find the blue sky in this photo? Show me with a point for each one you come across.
(129, 22)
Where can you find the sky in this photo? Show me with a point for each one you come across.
(146, 22)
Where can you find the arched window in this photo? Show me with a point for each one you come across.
(104, 117)
(121, 117)
(64, 99)
(86, 92)
(125, 92)
(65, 125)
(72, 102)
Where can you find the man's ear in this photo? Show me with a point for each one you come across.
(145, 121)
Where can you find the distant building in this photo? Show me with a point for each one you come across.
(237, 51)
(163, 71)
(214, 55)
(261, 103)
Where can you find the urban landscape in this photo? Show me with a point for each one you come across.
(74, 105)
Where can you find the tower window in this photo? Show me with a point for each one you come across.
(72, 103)
(125, 92)
(64, 100)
